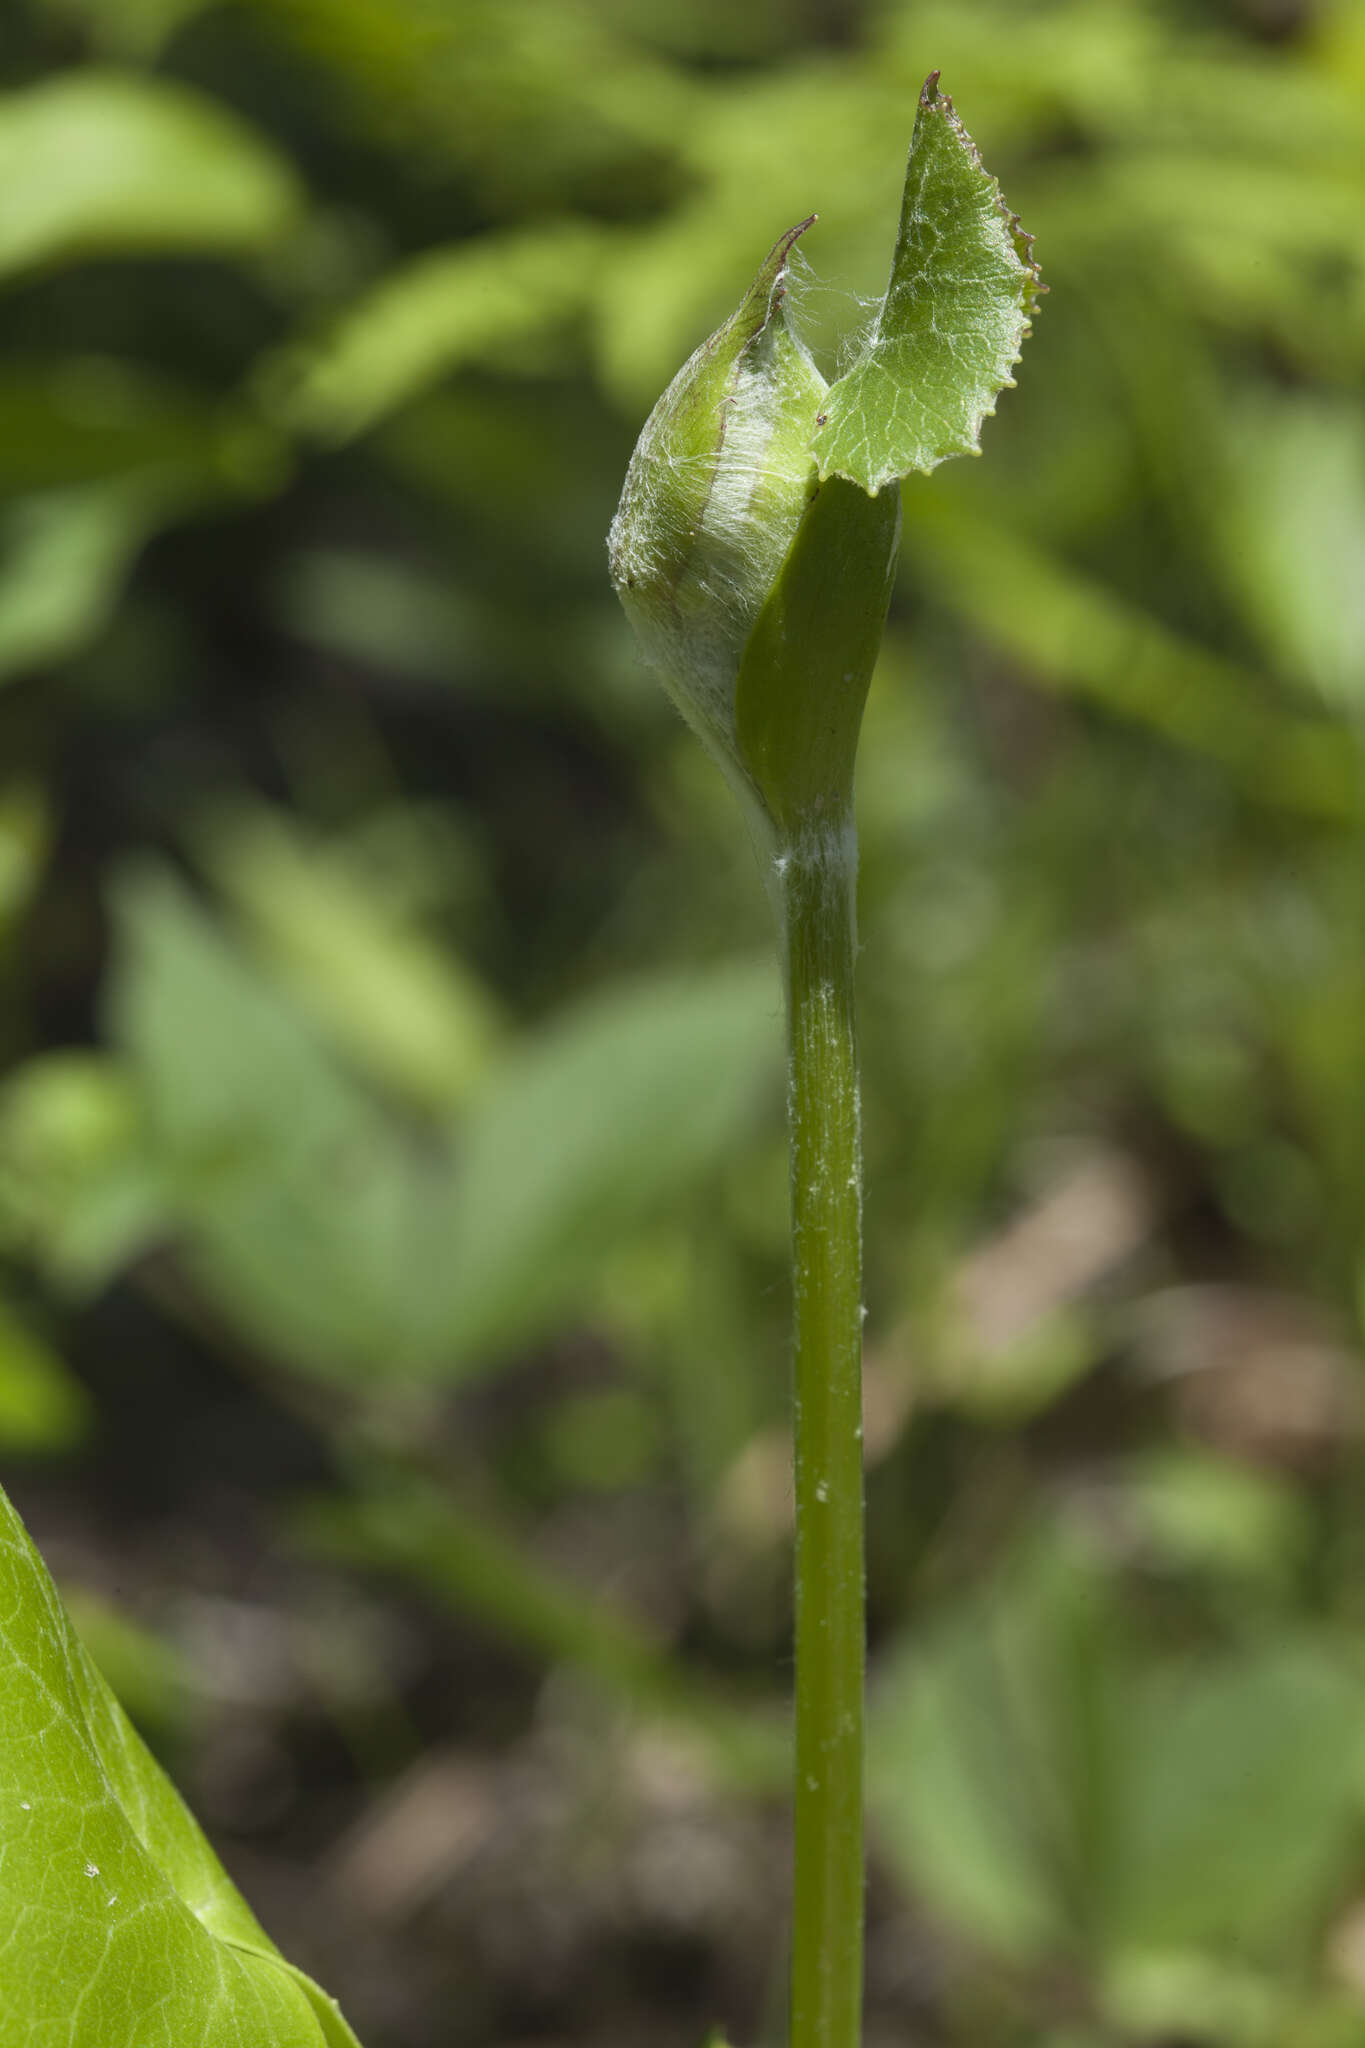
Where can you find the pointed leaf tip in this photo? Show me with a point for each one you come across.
(780, 254)
(768, 289)
(963, 286)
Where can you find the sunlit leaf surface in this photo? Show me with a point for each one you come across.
(947, 334)
(119, 1923)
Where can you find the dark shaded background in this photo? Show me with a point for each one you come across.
(392, 1216)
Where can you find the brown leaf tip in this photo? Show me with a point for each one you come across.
(933, 101)
(782, 249)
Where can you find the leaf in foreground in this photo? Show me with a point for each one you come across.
(120, 1926)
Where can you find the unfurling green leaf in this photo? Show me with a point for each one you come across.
(120, 1924)
(757, 589)
(948, 332)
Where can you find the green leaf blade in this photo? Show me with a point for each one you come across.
(948, 333)
(120, 1924)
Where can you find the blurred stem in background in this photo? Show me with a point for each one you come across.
(399, 1518)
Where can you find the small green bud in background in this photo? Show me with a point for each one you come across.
(756, 537)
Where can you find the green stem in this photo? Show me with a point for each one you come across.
(816, 872)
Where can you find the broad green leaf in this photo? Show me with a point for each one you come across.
(1239, 1799)
(992, 1753)
(1050, 1783)
(410, 1015)
(291, 1191)
(120, 1924)
(593, 1128)
(101, 163)
(224, 1063)
(336, 1236)
(948, 332)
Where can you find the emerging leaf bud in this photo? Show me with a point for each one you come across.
(756, 538)
(719, 482)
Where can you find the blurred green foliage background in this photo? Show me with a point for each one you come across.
(392, 1201)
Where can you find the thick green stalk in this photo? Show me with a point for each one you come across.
(815, 887)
